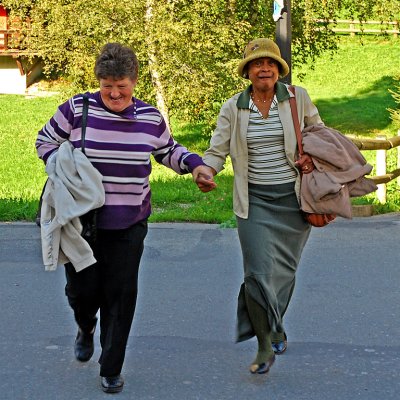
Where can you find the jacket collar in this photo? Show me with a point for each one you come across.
(282, 94)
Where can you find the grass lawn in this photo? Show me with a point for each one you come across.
(350, 89)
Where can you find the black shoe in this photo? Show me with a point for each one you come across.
(279, 347)
(262, 368)
(112, 384)
(84, 346)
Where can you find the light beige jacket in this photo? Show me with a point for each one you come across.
(74, 187)
(230, 138)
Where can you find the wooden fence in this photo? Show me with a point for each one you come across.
(352, 27)
(381, 144)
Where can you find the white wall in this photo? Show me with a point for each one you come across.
(11, 80)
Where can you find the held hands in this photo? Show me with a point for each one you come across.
(203, 176)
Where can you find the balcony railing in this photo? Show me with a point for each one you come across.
(10, 40)
(11, 43)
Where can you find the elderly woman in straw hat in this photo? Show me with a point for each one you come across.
(255, 128)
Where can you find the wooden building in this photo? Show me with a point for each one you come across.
(18, 67)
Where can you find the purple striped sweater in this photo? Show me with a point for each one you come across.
(119, 146)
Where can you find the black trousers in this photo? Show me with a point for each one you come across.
(110, 286)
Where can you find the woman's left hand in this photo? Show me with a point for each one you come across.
(305, 164)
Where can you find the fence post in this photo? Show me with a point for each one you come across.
(352, 26)
(381, 170)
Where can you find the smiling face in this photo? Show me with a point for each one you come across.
(117, 93)
(263, 73)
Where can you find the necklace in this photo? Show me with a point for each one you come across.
(262, 101)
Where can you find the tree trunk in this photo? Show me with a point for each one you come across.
(152, 56)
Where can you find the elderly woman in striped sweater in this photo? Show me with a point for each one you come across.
(122, 132)
(255, 128)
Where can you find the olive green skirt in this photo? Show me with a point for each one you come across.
(272, 240)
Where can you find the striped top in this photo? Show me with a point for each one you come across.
(119, 146)
(268, 164)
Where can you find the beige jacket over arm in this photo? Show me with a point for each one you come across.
(74, 187)
(230, 138)
(339, 172)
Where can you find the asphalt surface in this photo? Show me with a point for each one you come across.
(343, 323)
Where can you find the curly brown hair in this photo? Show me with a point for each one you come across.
(116, 61)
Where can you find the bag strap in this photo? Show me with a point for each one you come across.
(84, 120)
(295, 117)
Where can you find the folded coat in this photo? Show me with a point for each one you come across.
(74, 187)
(339, 172)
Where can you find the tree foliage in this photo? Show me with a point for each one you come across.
(362, 10)
(188, 50)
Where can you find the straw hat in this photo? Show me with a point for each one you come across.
(259, 48)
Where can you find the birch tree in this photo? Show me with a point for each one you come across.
(150, 37)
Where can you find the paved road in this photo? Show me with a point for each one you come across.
(343, 323)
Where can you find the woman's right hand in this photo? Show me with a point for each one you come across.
(203, 176)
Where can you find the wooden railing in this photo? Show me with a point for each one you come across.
(12, 43)
(352, 27)
(381, 144)
(9, 39)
